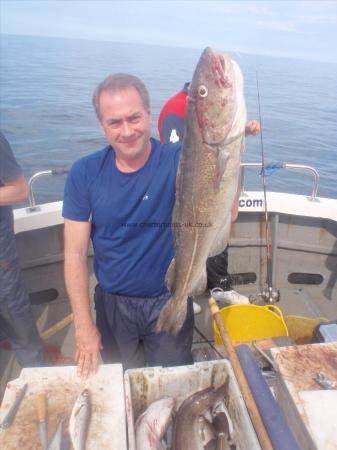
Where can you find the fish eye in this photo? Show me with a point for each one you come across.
(203, 91)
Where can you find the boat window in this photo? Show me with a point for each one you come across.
(44, 296)
(243, 278)
(305, 278)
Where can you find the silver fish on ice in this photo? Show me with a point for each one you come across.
(79, 420)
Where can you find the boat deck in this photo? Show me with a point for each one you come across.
(307, 301)
(303, 253)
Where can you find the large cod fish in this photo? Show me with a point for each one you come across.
(207, 179)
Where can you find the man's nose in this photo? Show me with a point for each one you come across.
(126, 129)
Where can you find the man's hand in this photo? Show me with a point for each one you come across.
(252, 128)
(88, 346)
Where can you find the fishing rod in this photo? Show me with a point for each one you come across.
(270, 295)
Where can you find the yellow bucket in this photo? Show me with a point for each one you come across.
(301, 328)
(250, 322)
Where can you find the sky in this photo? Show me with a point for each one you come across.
(300, 29)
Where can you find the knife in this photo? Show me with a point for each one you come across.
(10, 416)
(41, 407)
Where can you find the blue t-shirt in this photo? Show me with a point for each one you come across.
(131, 217)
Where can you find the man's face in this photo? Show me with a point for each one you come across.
(126, 123)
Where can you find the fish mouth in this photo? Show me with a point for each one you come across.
(220, 70)
(214, 73)
(218, 65)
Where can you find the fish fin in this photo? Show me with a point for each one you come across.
(223, 156)
(201, 285)
(221, 240)
(170, 276)
(171, 318)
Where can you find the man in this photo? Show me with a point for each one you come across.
(122, 198)
(171, 123)
(16, 319)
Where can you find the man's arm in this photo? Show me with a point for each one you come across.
(87, 337)
(14, 191)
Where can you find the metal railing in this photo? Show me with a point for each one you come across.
(283, 165)
(280, 165)
(55, 172)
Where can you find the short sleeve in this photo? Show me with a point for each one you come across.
(76, 204)
(9, 167)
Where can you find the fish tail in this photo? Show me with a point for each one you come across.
(171, 318)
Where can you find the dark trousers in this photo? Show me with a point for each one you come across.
(217, 271)
(16, 318)
(17, 323)
(127, 327)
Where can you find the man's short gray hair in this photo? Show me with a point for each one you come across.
(118, 82)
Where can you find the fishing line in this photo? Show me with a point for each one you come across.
(266, 216)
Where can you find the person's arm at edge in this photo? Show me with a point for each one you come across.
(252, 128)
(87, 337)
(14, 191)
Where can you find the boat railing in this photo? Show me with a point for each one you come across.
(282, 165)
(54, 172)
(268, 167)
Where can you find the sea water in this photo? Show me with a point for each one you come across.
(46, 86)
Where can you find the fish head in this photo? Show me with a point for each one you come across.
(162, 408)
(214, 96)
(84, 396)
(82, 403)
(158, 414)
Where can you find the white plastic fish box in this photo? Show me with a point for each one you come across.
(144, 386)
(62, 385)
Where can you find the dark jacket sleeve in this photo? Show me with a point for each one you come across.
(173, 129)
(9, 167)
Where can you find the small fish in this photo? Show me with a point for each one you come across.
(153, 423)
(56, 440)
(223, 427)
(10, 416)
(324, 381)
(79, 420)
(65, 443)
(185, 433)
(206, 431)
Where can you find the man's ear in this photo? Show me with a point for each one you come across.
(101, 126)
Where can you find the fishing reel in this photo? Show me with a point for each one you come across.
(269, 295)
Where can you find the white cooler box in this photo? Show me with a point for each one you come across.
(143, 386)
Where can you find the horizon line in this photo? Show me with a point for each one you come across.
(200, 48)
